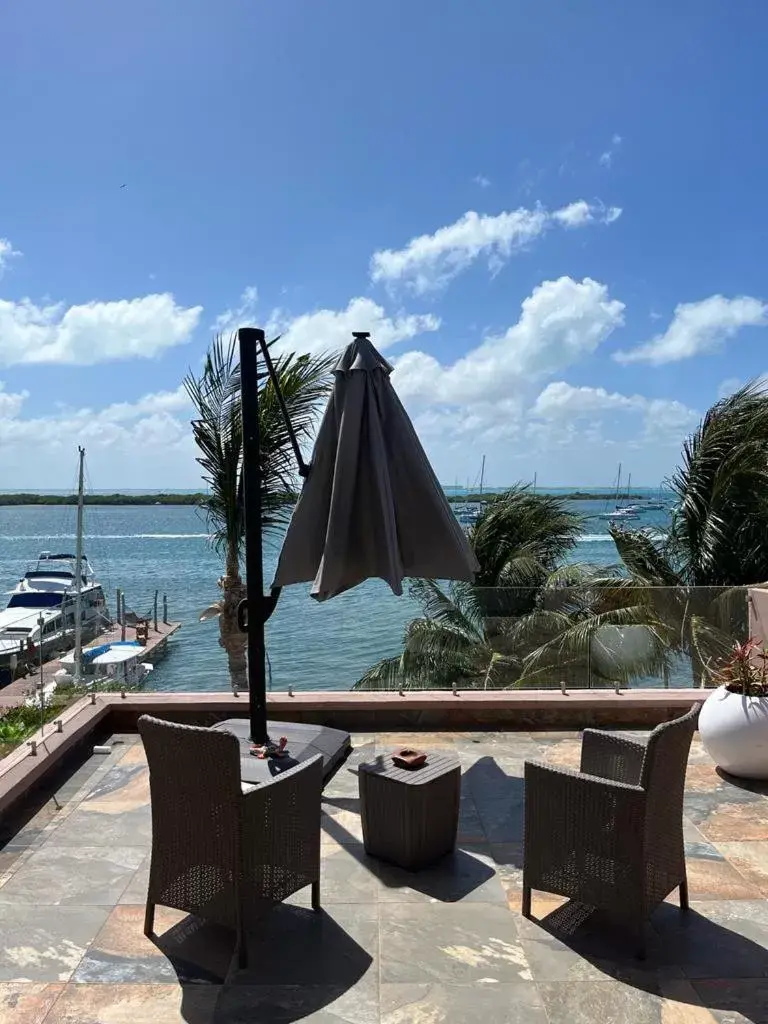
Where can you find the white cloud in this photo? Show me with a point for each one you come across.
(579, 214)
(157, 403)
(96, 332)
(481, 180)
(697, 328)
(7, 252)
(11, 403)
(327, 330)
(241, 316)
(145, 443)
(574, 216)
(559, 399)
(606, 158)
(431, 261)
(568, 416)
(560, 323)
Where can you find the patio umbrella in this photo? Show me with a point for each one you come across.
(371, 505)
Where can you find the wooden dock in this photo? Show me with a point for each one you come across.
(15, 693)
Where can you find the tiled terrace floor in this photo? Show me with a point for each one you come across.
(445, 945)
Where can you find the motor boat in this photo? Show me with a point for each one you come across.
(41, 611)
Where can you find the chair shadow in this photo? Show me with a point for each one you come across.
(299, 963)
(726, 972)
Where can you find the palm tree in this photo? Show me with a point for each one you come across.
(524, 618)
(215, 394)
(694, 578)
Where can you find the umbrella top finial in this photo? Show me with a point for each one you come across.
(361, 334)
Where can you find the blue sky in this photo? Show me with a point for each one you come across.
(550, 214)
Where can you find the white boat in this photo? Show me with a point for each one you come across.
(117, 662)
(42, 609)
(55, 605)
(619, 513)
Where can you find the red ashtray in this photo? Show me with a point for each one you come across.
(407, 758)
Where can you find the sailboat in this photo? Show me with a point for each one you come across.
(619, 512)
(658, 504)
(467, 514)
(56, 603)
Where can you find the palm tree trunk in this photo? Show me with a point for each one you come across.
(234, 642)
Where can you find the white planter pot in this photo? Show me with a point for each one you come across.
(734, 731)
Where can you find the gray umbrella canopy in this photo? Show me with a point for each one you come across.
(371, 505)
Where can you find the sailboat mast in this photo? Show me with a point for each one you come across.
(629, 485)
(79, 571)
(534, 482)
(482, 474)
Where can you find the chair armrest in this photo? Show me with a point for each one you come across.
(608, 756)
(574, 810)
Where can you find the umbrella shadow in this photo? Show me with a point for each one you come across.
(299, 963)
(499, 800)
(453, 877)
(691, 959)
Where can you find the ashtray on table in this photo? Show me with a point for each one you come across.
(407, 758)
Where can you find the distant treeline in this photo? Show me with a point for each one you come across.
(461, 499)
(102, 499)
(199, 498)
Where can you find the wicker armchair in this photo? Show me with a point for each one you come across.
(220, 853)
(611, 835)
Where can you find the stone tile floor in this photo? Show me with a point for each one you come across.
(441, 946)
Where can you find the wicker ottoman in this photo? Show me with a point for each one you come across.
(410, 816)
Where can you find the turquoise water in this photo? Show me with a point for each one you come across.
(311, 646)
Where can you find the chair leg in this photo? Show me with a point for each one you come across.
(316, 895)
(684, 893)
(149, 919)
(526, 907)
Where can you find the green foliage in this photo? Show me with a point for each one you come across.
(215, 394)
(716, 545)
(218, 432)
(524, 602)
(19, 723)
(717, 537)
(161, 498)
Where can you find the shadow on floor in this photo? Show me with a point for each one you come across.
(751, 785)
(499, 799)
(299, 963)
(691, 958)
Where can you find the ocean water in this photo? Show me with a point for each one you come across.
(311, 646)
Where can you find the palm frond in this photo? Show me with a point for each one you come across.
(217, 428)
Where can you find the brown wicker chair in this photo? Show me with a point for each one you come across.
(611, 835)
(217, 852)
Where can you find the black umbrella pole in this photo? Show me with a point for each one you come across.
(250, 340)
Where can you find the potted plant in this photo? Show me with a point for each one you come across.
(734, 718)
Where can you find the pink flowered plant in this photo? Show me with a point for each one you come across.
(746, 672)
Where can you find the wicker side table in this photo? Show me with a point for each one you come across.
(410, 816)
